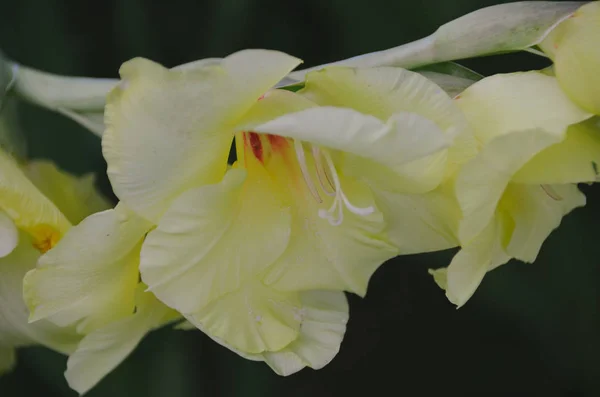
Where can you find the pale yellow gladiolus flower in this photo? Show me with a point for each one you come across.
(38, 203)
(536, 145)
(243, 253)
(574, 46)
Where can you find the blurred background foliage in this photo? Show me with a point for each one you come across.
(530, 330)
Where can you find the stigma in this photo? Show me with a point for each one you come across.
(329, 184)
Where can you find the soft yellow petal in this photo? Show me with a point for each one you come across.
(214, 238)
(574, 160)
(440, 276)
(473, 261)
(419, 223)
(382, 92)
(505, 103)
(252, 319)
(104, 349)
(452, 85)
(76, 197)
(536, 214)
(8, 359)
(325, 256)
(574, 46)
(89, 278)
(404, 138)
(323, 316)
(9, 235)
(272, 104)
(171, 130)
(323, 325)
(15, 329)
(385, 91)
(29, 209)
(482, 181)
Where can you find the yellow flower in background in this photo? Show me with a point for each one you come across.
(574, 46)
(536, 144)
(38, 203)
(90, 281)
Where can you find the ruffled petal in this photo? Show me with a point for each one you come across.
(481, 182)
(574, 160)
(536, 214)
(252, 319)
(214, 238)
(89, 278)
(171, 130)
(506, 103)
(104, 349)
(324, 318)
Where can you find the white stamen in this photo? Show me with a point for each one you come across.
(321, 174)
(304, 168)
(340, 198)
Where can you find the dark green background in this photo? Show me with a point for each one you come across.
(530, 330)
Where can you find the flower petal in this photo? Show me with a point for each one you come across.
(15, 329)
(9, 235)
(76, 197)
(574, 47)
(191, 109)
(323, 256)
(271, 105)
(104, 349)
(505, 103)
(385, 91)
(473, 261)
(29, 209)
(252, 319)
(536, 214)
(482, 181)
(419, 223)
(214, 238)
(89, 278)
(574, 160)
(324, 318)
(405, 137)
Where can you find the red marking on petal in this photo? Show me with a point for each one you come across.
(262, 97)
(277, 142)
(256, 145)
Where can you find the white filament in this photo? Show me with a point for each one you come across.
(304, 168)
(321, 174)
(333, 187)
